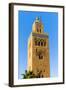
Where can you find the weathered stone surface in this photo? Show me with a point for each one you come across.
(38, 55)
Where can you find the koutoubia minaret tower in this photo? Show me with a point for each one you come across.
(38, 50)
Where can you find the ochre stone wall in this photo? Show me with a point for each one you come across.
(34, 63)
(38, 51)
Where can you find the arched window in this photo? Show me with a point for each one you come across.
(40, 30)
(41, 43)
(40, 57)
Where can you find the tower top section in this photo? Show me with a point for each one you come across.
(37, 26)
(37, 19)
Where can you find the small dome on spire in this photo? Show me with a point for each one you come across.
(37, 19)
(37, 26)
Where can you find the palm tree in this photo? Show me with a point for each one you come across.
(30, 74)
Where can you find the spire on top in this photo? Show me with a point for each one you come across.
(37, 26)
(38, 19)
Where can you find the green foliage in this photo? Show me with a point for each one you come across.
(30, 74)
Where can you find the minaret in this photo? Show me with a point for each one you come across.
(37, 26)
(38, 50)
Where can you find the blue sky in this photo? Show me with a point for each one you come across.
(50, 22)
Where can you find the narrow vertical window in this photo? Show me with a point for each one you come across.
(38, 43)
(40, 30)
(41, 43)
